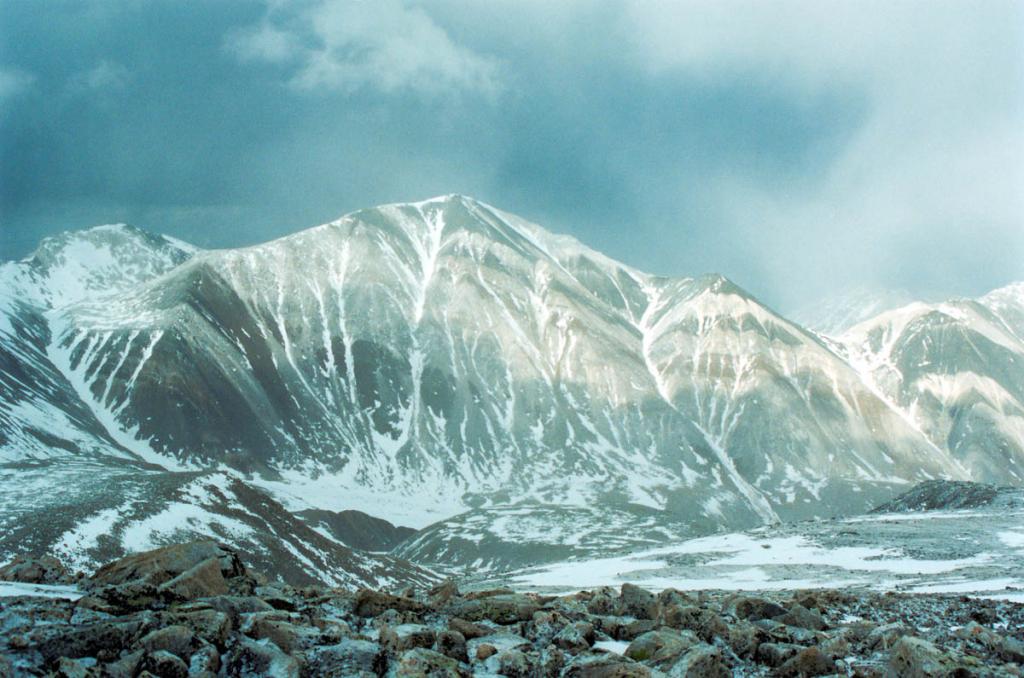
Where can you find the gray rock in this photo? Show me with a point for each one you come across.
(452, 644)
(29, 570)
(261, 658)
(398, 639)
(637, 602)
(807, 662)
(661, 647)
(350, 657)
(501, 609)
(701, 661)
(421, 662)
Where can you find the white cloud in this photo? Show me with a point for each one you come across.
(105, 74)
(346, 45)
(13, 81)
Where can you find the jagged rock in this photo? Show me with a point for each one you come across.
(605, 666)
(369, 603)
(128, 666)
(514, 664)
(75, 668)
(163, 564)
(744, 639)
(885, 636)
(468, 629)
(251, 657)
(178, 640)
(916, 658)
(209, 624)
(637, 602)
(404, 637)
(753, 608)
(88, 640)
(631, 630)
(505, 608)
(205, 661)
(801, 617)
(704, 623)
(452, 644)
(441, 594)
(201, 581)
(776, 654)
(29, 570)
(421, 662)
(289, 637)
(661, 647)
(701, 661)
(235, 606)
(807, 662)
(575, 638)
(602, 603)
(350, 657)
(164, 664)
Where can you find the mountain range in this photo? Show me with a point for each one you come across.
(511, 395)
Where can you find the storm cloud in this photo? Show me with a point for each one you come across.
(796, 147)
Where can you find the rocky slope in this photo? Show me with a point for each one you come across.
(194, 609)
(446, 363)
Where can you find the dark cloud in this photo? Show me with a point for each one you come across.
(794, 149)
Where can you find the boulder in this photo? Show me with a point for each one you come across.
(253, 658)
(350, 657)
(753, 608)
(291, 638)
(163, 564)
(398, 639)
(164, 664)
(421, 662)
(806, 663)
(200, 581)
(575, 638)
(776, 654)
(701, 661)
(801, 617)
(661, 647)
(452, 644)
(505, 608)
(637, 602)
(515, 664)
(178, 640)
(605, 665)
(917, 658)
(369, 603)
(29, 570)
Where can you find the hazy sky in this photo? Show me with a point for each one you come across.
(797, 147)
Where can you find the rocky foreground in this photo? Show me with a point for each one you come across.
(195, 610)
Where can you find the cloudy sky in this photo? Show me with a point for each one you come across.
(800, 148)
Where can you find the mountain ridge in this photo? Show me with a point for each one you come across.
(425, 361)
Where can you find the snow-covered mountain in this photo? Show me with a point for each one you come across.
(448, 363)
(957, 369)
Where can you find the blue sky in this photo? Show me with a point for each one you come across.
(797, 147)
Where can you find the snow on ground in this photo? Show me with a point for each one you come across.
(616, 646)
(11, 589)
(943, 553)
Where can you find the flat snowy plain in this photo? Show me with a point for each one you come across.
(930, 552)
